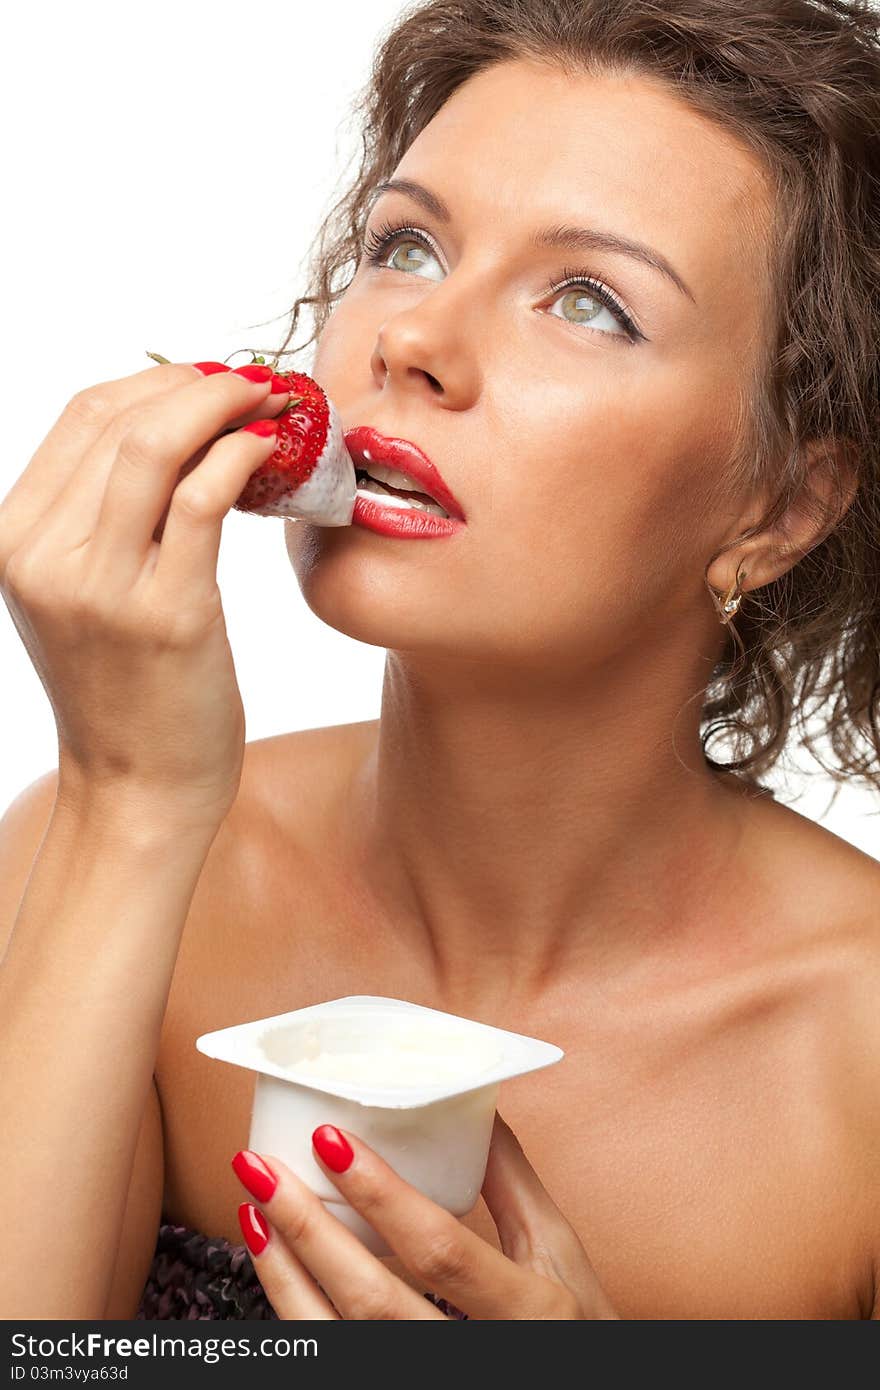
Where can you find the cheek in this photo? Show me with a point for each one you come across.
(619, 520)
(341, 361)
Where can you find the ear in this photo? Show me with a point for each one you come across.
(830, 484)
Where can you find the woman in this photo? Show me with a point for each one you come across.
(657, 436)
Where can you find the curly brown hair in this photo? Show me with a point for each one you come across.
(798, 81)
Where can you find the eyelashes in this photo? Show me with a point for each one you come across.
(572, 277)
(378, 241)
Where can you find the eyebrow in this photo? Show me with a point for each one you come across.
(561, 235)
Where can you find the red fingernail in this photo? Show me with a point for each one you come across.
(265, 427)
(209, 368)
(254, 372)
(254, 1228)
(333, 1147)
(279, 383)
(259, 1180)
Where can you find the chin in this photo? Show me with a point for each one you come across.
(341, 586)
(380, 604)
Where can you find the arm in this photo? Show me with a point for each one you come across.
(84, 984)
(108, 551)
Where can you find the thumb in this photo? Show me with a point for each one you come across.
(524, 1213)
(531, 1228)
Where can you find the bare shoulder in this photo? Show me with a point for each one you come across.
(834, 888)
(264, 891)
(273, 843)
(813, 877)
(289, 773)
(804, 955)
(828, 891)
(851, 1020)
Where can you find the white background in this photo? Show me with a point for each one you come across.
(166, 167)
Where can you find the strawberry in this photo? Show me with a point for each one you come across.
(310, 476)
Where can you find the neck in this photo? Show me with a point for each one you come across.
(540, 829)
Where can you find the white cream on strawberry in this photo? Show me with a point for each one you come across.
(327, 497)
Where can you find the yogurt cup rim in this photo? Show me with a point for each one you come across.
(518, 1053)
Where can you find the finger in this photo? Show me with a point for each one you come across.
(518, 1201)
(73, 517)
(146, 451)
(186, 557)
(272, 405)
(289, 1287)
(360, 1287)
(76, 430)
(430, 1242)
(531, 1228)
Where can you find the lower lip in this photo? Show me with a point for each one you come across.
(407, 522)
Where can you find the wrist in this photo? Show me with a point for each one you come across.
(127, 814)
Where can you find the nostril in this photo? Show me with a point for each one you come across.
(435, 385)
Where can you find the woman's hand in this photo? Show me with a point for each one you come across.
(312, 1266)
(108, 556)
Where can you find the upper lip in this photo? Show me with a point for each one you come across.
(365, 444)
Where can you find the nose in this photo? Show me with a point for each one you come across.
(423, 350)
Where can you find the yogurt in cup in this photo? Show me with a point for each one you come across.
(419, 1086)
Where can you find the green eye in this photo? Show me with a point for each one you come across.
(412, 257)
(587, 304)
(407, 243)
(579, 301)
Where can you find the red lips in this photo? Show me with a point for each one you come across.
(366, 445)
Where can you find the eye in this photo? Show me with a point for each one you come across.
(416, 246)
(377, 245)
(589, 299)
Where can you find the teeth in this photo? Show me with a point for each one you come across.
(409, 503)
(392, 476)
(395, 478)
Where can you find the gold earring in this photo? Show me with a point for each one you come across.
(732, 600)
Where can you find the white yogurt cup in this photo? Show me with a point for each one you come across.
(419, 1086)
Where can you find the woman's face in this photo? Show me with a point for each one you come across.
(584, 459)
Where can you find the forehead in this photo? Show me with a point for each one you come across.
(523, 143)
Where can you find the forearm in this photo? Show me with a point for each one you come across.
(83, 989)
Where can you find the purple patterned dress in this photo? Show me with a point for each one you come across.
(194, 1276)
